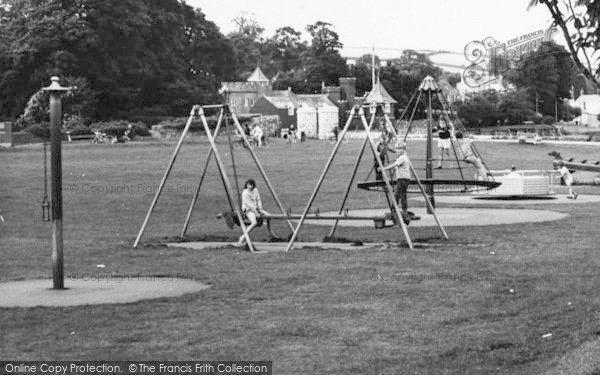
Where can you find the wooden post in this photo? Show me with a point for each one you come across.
(318, 186)
(56, 90)
(356, 165)
(204, 170)
(166, 174)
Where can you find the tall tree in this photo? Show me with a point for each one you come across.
(134, 54)
(287, 48)
(579, 22)
(322, 60)
(248, 44)
(546, 74)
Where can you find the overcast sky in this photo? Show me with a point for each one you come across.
(389, 24)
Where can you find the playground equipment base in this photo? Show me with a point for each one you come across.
(94, 290)
(267, 247)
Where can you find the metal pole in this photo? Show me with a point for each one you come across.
(412, 116)
(55, 89)
(223, 172)
(356, 165)
(428, 164)
(260, 168)
(318, 186)
(429, 205)
(414, 172)
(166, 174)
(388, 185)
(197, 192)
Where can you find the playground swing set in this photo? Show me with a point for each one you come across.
(236, 217)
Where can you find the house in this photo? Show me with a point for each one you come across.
(590, 109)
(315, 115)
(241, 96)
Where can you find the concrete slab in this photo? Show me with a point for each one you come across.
(267, 247)
(94, 290)
(456, 217)
(476, 199)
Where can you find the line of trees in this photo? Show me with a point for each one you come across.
(140, 59)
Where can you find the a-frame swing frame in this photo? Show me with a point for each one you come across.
(234, 202)
(387, 183)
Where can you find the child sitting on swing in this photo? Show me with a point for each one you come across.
(252, 208)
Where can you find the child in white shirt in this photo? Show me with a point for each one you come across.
(566, 176)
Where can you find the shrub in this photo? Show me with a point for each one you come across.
(140, 129)
(41, 130)
(115, 128)
(179, 123)
(548, 120)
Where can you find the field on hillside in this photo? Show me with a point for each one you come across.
(385, 310)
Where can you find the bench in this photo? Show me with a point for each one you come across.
(79, 137)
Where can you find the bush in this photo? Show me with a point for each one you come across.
(41, 130)
(115, 128)
(548, 120)
(179, 123)
(140, 129)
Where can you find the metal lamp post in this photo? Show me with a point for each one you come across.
(56, 90)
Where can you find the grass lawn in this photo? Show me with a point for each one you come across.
(444, 308)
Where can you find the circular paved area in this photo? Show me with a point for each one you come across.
(454, 217)
(476, 199)
(94, 290)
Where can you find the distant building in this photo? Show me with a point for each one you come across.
(241, 96)
(590, 109)
(379, 95)
(315, 115)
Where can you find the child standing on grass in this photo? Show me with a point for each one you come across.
(566, 176)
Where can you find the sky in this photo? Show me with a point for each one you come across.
(388, 25)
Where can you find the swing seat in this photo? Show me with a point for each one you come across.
(407, 217)
(232, 220)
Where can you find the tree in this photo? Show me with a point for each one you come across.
(546, 74)
(322, 60)
(579, 22)
(248, 43)
(135, 56)
(481, 109)
(287, 48)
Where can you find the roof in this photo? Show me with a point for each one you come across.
(379, 94)
(429, 84)
(284, 101)
(315, 100)
(257, 76)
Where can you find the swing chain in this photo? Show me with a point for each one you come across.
(45, 203)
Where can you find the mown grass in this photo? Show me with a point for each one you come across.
(444, 308)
